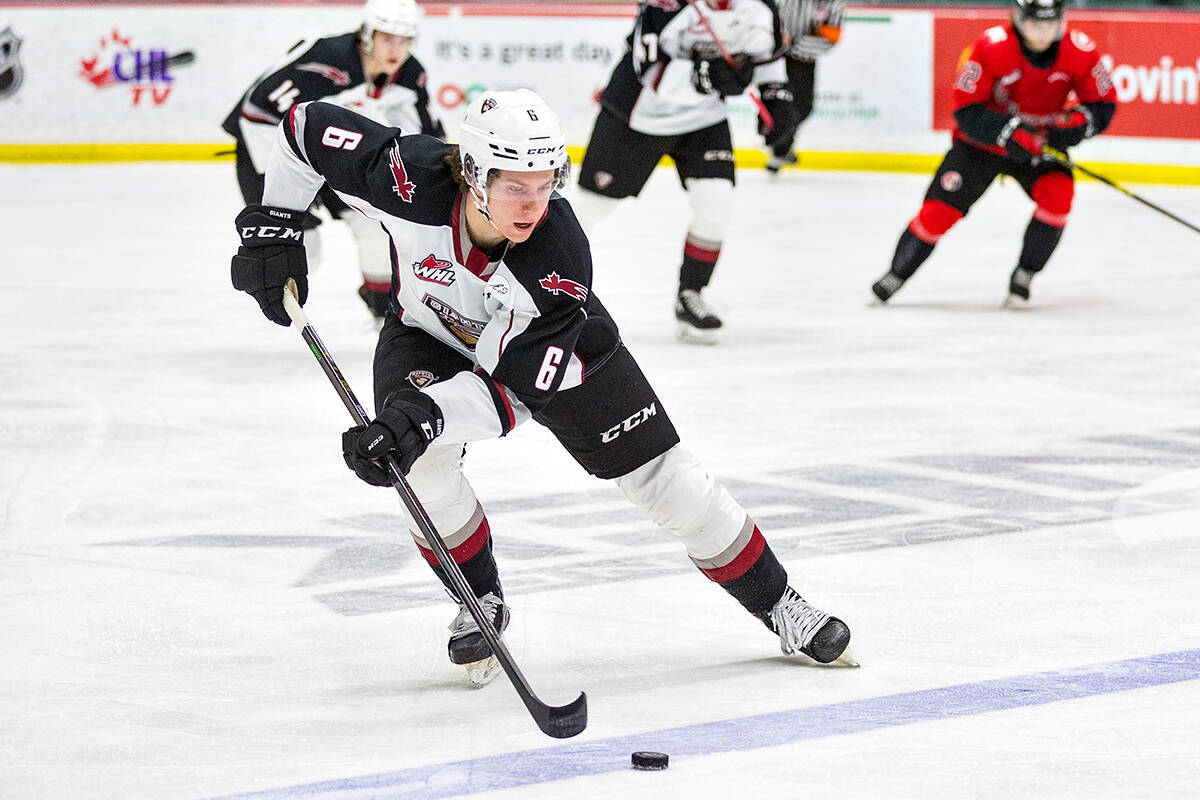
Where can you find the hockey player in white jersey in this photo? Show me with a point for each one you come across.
(493, 323)
(371, 70)
(667, 97)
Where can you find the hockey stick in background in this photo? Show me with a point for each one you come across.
(767, 119)
(560, 722)
(1061, 158)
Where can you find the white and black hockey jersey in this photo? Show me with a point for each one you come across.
(329, 69)
(525, 314)
(652, 86)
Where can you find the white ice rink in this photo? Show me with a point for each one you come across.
(198, 599)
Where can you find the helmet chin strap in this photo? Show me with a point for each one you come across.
(479, 198)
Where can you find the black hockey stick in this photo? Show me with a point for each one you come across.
(767, 119)
(561, 722)
(181, 59)
(1061, 158)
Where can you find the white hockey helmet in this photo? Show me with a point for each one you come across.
(514, 130)
(397, 17)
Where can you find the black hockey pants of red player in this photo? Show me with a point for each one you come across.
(963, 177)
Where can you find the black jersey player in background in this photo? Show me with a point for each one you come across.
(495, 323)
(371, 70)
(667, 97)
(810, 29)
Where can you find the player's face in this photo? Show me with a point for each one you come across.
(1039, 34)
(517, 201)
(388, 52)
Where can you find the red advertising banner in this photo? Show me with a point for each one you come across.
(1154, 57)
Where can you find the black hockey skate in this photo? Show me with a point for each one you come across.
(377, 302)
(468, 647)
(805, 629)
(885, 287)
(776, 163)
(1018, 288)
(696, 321)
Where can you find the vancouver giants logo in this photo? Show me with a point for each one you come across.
(339, 77)
(554, 284)
(421, 378)
(402, 186)
(462, 327)
(435, 270)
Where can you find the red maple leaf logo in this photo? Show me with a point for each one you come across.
(554, 284)
(402, 186)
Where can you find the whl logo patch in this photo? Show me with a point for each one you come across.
(554, 284)
(435, 270)
(401, 185)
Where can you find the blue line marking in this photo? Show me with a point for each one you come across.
(508, 770)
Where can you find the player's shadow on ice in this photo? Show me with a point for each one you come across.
(996, 306)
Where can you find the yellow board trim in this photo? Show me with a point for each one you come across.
(921, 163)
(77, 153)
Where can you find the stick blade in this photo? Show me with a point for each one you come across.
(563, 722)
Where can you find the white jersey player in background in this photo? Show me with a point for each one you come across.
(495, 323)
(371, 70)
(667, 97)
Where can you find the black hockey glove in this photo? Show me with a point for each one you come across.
(715, 76)
(272, 251)
(1068, 131)
(1023, 143)
(778, 100)
(409, 421)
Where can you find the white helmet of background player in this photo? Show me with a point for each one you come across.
(513, 130)
(397, 17)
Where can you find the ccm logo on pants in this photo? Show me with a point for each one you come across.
(629, 424)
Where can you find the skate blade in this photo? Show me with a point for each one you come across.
(847, 659)
(686, 333)
(482, 672)
(1015, 302)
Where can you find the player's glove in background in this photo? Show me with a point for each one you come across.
(272, 252)
(778, 100)
(409, 421)
(1023, 143)
(1069, 130)
(716, 76)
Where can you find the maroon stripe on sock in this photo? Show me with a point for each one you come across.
(465, 551)
(701, 253)
(741, 563)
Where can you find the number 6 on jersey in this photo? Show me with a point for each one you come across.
(549, 368)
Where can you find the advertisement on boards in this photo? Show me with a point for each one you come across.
(1157, 77)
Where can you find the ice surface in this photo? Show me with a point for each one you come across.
(197, 599)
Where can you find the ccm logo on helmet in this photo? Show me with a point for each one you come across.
(270, 232)
(630, 423)
(539, 150)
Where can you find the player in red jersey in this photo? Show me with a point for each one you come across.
(1021, 86)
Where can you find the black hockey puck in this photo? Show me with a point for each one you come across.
(645, 759)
